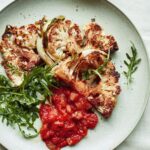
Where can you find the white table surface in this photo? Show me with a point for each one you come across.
(139, 12)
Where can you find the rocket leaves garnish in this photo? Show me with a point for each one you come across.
(132, 63)
(19, 105)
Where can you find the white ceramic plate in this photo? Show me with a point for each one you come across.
(131, 103)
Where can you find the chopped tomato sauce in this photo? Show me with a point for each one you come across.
(67, 120)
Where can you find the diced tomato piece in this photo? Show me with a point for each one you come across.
(77, 115)
(46, 133)
(83, 104)
(56, 140)
(82, 130)
(63, 144)
(91, 120)
(44, 111)
(67, 120)
(51, 146)
(57, 125)
(74, 139)
(69, 125)
(74, 96)
(48, 113)
(68, 108)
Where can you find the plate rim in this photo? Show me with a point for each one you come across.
(147, 95)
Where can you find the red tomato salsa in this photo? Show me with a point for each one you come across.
(67, 120)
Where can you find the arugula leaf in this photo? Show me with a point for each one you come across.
(19, 105)
(86, 75)
(14, 69)
(131, 63)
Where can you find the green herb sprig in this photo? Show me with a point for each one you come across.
(14, 69)
(132, 63)
(19, 105)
